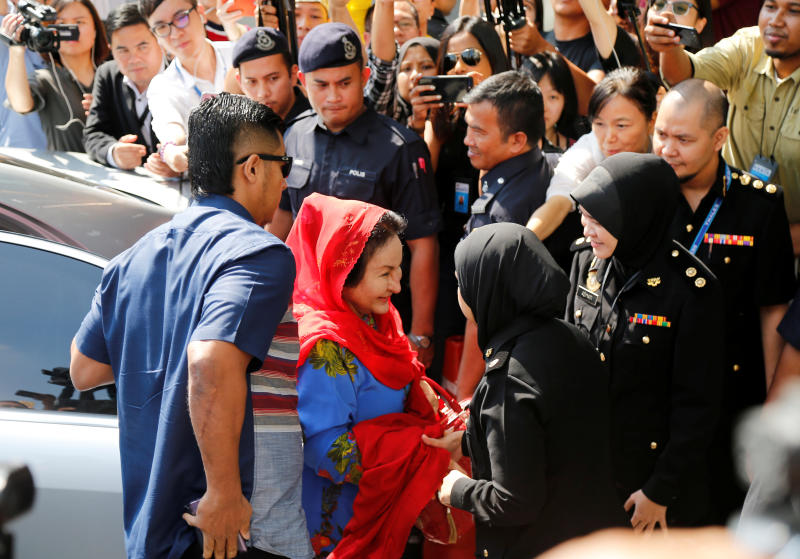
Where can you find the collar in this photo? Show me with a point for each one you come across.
(221, 202)
(494, 352)
(300, 105)
(127, 81)
(766, 66)
(510, 168)
(358, 130)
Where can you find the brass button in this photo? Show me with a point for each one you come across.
(488, 353)
(645, 340)
(772, 189)
(736, 175)
(602, 356)
(689, 228)
(745, 179)
(700, 282)
(691, 272)
(675, 253)
(758, 185)
(727, 260)
(485, 553)
(653, 445)
(579, 241)
(736, 368)
(578, 313)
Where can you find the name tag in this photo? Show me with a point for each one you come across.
(588, 296)
(763, 167)
(461, 201)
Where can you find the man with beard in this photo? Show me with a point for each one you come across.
(736, 224)
(759, 67)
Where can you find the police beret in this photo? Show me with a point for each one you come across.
(329, 45)
(257, 43)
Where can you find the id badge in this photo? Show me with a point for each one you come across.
(461, 201)
(763, 168)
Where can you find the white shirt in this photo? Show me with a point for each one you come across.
(175, 92)
(140, 105)
(574, 166)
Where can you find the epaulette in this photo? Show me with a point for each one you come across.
(691, 268)
(579, 244)
(745, 179)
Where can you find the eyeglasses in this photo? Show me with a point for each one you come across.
(180, 20)
(678, 7)
(286, 161)
(470, 57)
(405, 24)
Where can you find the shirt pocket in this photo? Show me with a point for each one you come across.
(354, 184)
(301, 172)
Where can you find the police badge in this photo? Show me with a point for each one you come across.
(263, 41)
(349, 49)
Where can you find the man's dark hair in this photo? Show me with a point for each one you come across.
(715, 111)
(414, 11)
(216, 126)
(388, 225)
(124, 16)
(632, 83)
(368, 18)
(147, 7)
(518, 101)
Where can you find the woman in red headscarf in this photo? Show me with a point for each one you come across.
(367, 474)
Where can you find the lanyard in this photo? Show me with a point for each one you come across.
(712, 213)
(194, 85)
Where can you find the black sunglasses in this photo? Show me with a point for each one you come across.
(286, 161)
(471, 57)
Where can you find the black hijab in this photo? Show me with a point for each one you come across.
(634, 196)
(505, 272)
(402, 107)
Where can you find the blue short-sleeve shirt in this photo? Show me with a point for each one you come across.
(211, 273)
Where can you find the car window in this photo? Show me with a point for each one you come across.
(43, 299)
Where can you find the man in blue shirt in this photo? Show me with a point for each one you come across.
(178, 323)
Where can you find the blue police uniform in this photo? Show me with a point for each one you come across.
(211, 274)
(512, 190)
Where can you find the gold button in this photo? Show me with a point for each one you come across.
(488, 353)
(485, 553)
(745, 179)
(654, 445)
(727, 260)
(645, 339)
(579, 241)
(691, 272)
(675, 253)
(734, 175)
(700, 282)
(772, 189)
(602, 356)
(758, 185)
(689, 228)
(578, 313)
(736, 368)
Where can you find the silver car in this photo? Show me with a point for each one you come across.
(56, 235)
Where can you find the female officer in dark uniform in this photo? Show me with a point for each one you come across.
(654, 313)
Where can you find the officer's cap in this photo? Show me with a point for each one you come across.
(257, 43)
(329, 45)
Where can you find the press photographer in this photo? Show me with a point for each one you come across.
(55, 91)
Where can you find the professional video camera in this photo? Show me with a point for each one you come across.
(39, 34)
(511, 15)
(16, 497)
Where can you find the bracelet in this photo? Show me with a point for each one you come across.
(163, 148)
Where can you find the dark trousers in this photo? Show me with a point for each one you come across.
(195, 551)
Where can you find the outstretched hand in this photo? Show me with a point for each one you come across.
(646, 513)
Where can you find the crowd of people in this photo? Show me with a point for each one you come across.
(594, 246)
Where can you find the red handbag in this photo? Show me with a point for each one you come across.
(438, 523)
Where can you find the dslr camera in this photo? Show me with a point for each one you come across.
(39, 34)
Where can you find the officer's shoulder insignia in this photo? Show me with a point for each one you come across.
(496, 360)
(751, 183)
(654, 281)
(690, 268)
(580, 243)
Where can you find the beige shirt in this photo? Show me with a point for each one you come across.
(758, 101)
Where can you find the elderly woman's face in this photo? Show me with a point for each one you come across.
(416, 62)
(603, 243)
(381, 280)
(621, 126)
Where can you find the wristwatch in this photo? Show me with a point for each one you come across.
(420, 341)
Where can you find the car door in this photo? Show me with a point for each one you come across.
(68, 439)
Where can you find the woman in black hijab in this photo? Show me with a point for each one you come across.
(654, 313)
(537, 435)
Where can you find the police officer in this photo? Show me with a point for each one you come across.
(347, 150)
(737, 225)
(654, 313)
(265, 72)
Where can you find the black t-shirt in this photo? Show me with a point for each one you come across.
(584, 55)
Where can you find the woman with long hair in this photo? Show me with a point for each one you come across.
(57, 92)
